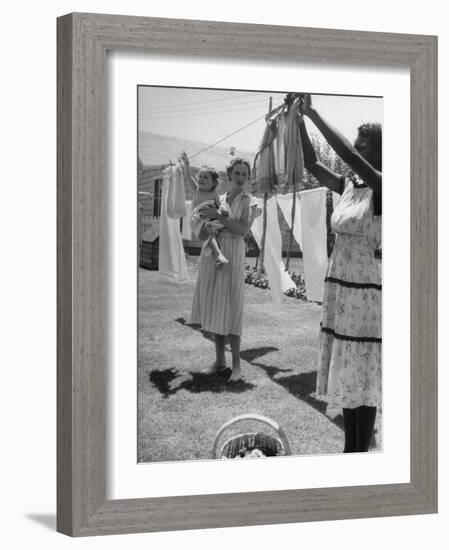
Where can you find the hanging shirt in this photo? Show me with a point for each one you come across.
(264, 163)
(293, 147)
(280, 154)
(172, 260)
(314, 238)
(278, 279)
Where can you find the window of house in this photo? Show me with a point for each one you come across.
(157, 198)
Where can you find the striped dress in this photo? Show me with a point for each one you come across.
(349, 367)
(218, 297)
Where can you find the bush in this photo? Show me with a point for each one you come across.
(252, 277)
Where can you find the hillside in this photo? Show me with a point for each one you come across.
(156, 149)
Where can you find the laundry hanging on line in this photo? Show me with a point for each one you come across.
(176, 199)
(294, 157)
(172, 260)
(278, 279)
(314, 239)
(186, 229)
(279, 163)
(285, 203)
(264, 167)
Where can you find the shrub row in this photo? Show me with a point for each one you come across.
(252, 277)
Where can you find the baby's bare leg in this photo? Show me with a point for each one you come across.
(213, 245)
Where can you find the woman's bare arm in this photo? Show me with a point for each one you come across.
(344, 149)
(326, 176)
(188, 174)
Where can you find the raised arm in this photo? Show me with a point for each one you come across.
(326, 176)
(344, 149)
(187, 174)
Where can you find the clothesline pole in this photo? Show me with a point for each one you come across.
(265, 201)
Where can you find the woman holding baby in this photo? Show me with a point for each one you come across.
(218, 297)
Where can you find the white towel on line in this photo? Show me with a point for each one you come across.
(172, 260)
(176, 200)
(314, 235)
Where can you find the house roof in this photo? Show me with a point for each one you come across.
(156, 149)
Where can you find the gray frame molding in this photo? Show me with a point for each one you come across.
(83, 40)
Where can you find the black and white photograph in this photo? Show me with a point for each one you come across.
(259, 278)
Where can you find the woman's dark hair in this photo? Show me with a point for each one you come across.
(213, 173)
(235, 161)
(372, 131)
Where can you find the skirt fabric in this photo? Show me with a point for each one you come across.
(218, 298)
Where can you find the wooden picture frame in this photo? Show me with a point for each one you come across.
(83, 40)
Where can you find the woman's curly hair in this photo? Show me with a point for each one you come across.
(372, 131)
(235, 161)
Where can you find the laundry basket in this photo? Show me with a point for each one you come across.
(270, 445)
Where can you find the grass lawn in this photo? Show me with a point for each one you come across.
(181, 409)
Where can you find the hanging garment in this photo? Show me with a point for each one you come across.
(264, 162)
(293, 147)
(314, 238)
(278, 279)
(172, 260)
(285, 203)
(186, 229)
(176, 200)
(280, 154)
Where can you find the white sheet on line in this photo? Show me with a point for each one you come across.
(278, 279)
(314, 236)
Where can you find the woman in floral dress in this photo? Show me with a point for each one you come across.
(350, 345)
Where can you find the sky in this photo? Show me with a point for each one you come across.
(209, 115)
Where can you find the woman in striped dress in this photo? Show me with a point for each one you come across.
(349, 367)
(218, 297)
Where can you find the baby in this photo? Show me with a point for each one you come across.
(205, 196)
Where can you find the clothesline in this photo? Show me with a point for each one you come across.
(233, 133)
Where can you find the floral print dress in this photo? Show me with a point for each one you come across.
(350, 342)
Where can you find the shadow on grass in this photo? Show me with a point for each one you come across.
(198, 383)
(301, 386)
(207, 335)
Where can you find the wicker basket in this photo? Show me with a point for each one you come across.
(270, 445)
